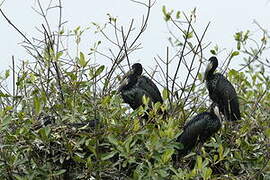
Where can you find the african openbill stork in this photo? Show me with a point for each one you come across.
(222, 92)
(134, 86)
(196, 131)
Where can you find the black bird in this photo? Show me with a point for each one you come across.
(134, 86)
(198, 130)
(43, 121)
(222, 92)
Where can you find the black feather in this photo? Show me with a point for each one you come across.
(222, 92)
(149, 86)
(198, 129)
(134, 86)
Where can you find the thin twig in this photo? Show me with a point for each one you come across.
(9, 22)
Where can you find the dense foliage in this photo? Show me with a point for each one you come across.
(65, 119)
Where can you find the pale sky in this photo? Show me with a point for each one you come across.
(226, 17)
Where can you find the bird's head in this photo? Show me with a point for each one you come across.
(211, 67)
(136, 69)
(131, 76)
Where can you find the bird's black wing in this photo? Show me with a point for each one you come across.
(149, 86)
(228, 98)
(133, 96)
(191, 132)
(197, 122)
(199, 128)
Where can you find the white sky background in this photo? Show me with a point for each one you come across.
(227, 17)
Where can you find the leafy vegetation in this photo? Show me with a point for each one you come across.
(64, 119)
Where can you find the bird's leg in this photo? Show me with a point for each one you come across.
(219, 114)
(198, 148)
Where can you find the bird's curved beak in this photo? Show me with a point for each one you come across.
(131, 71)
(128, 73)
(124, 81)
(217, 112)
(208, 68)
(214, 109)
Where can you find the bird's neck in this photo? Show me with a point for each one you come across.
(210, 74)
(132, 80)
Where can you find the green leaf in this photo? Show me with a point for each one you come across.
(233, 73)
(215, 158)
(111, 18)
(213, 52)
(44, 133)
(267, 133)
(99, 70)
(79, 157)
(200, 76)
(58, 55)
(207, 173)
(57, 173)
(78, 40)
(238, 45)
(77, 30)
(136, 125)
(82, 62)
(238, 36)
(37, 105)
(72, 76)
(166, 156)
(167, 15)
(145, 100)
(178, 14)
(62, 32)
(89, 162)
(246, 35)
(107, 156)
(188, 35)
(47, 131)
(113, 140)
(163, 173)
(5, 121)
(7, 73)
(199, 162)
(143, 132)
(19, 177)
(157, 106)
(220, 152)
(128, 142)
(164, 10)
(165, 93)
(4, 95)
(235, 53)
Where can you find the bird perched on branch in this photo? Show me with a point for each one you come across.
(134, 86)
(222, 92)
(198, 130)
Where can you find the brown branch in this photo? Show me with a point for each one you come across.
(181, 55)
